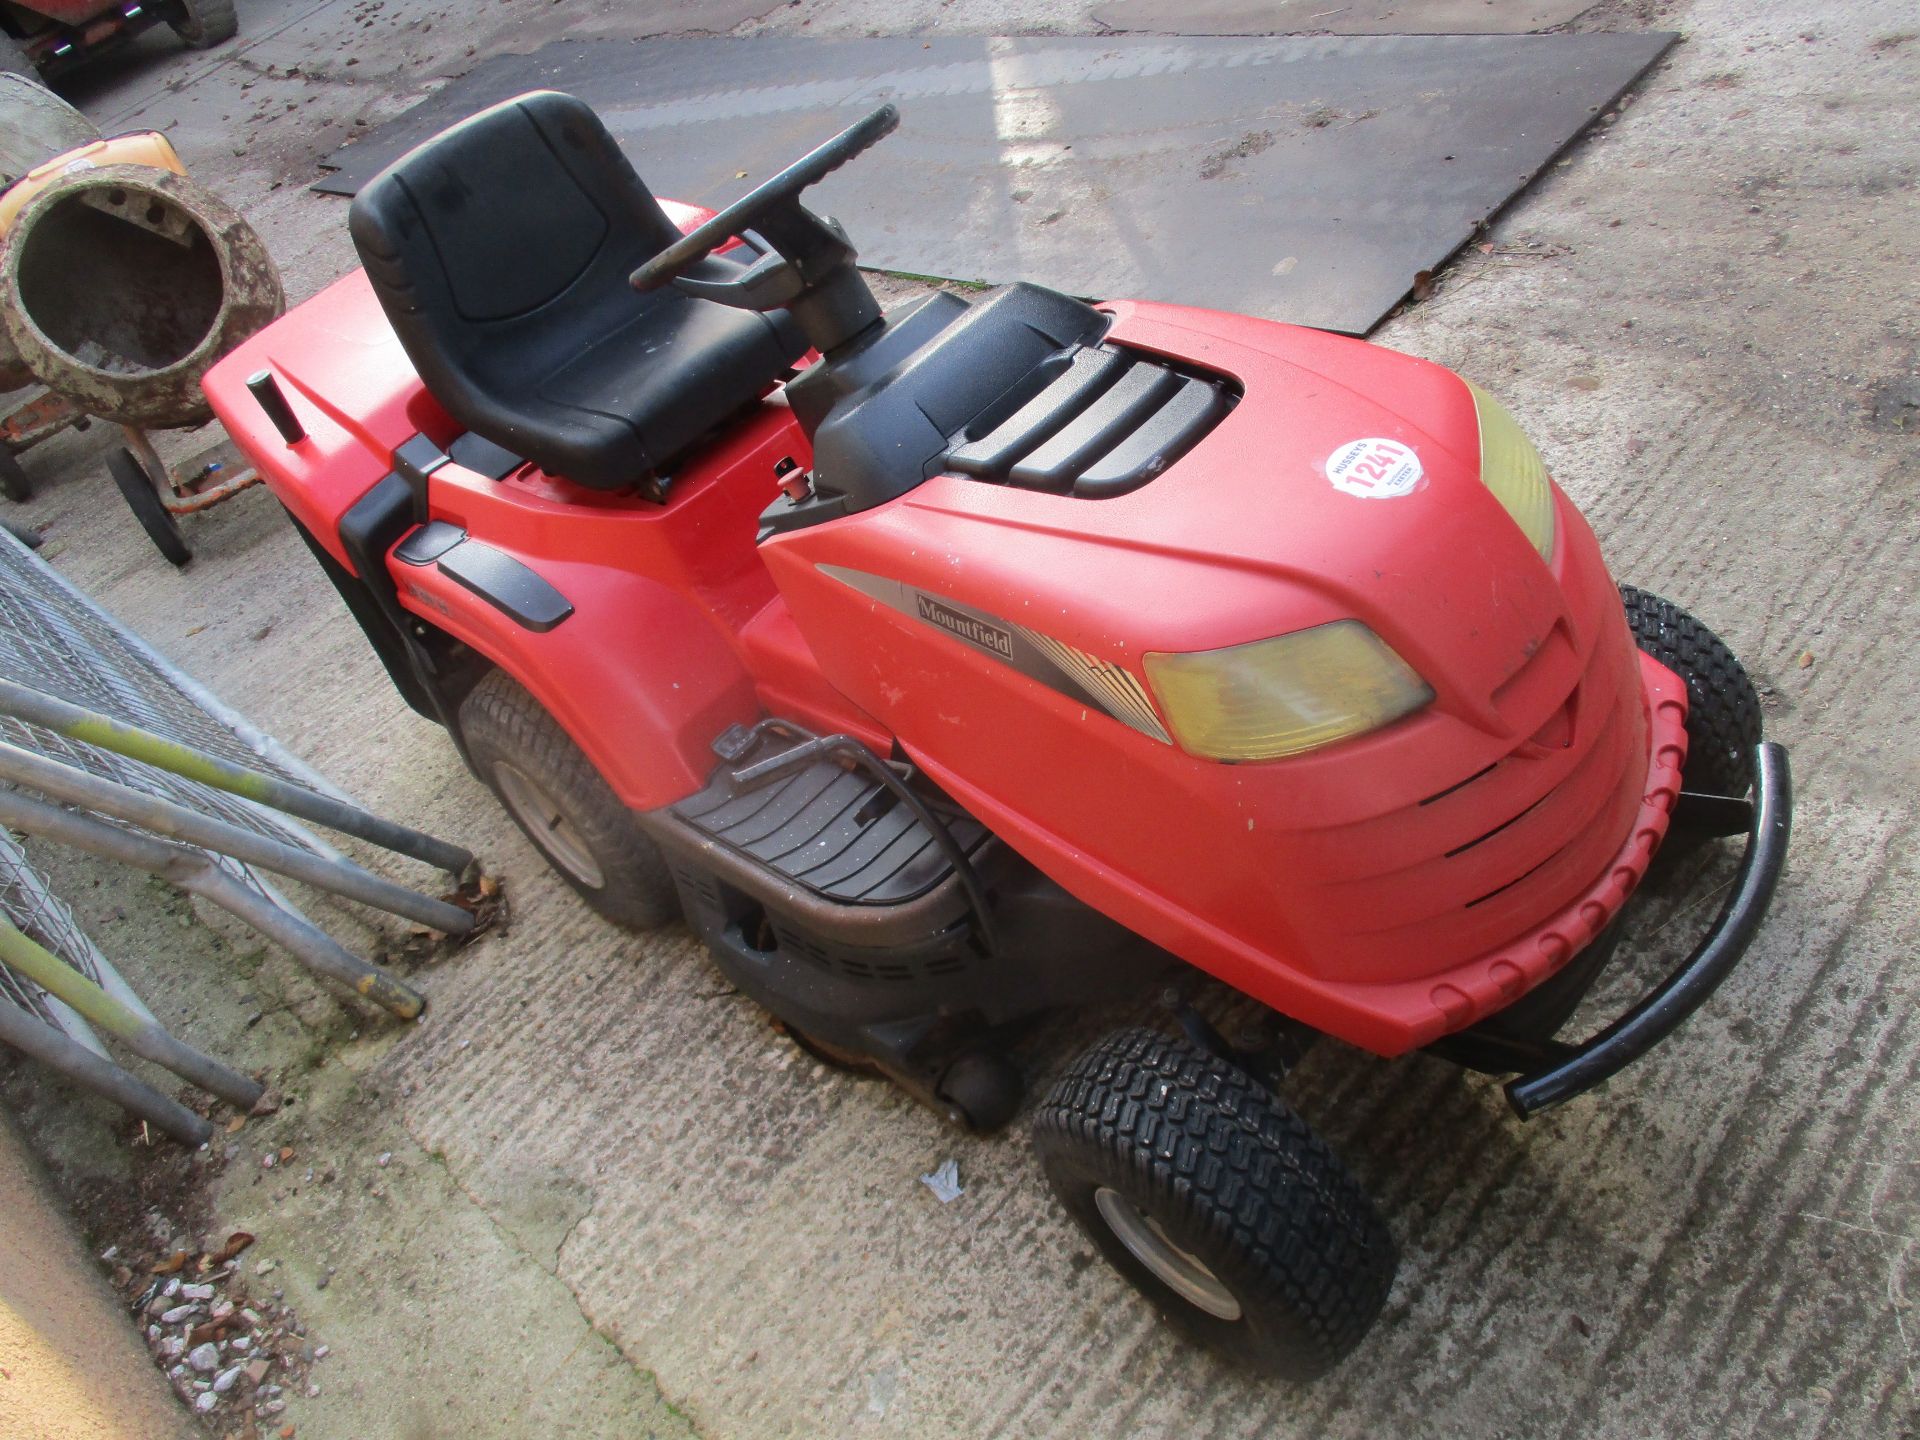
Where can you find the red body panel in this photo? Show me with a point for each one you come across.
(350, 385)
(1387, 889)
(648, 668)
(1342, 886)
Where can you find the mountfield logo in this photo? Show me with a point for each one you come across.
(974, 632)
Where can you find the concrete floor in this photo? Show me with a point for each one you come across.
(73, 1369)
(1707, 318)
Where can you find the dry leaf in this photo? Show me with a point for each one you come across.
(171, 1264)
(236, 1125)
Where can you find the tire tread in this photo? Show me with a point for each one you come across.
(1723, 709)
(500, 718)
(1307, 1251)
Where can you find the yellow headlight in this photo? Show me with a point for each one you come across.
(1281, 696)
(1512, 469)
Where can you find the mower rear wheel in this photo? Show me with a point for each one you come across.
(1723, 710)
(555, 795)
(1217, 1202)
(202, 24)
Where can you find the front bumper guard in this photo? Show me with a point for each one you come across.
(1557, 1070)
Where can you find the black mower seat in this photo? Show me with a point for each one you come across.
(500, 251)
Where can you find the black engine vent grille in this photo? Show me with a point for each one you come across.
(1102, 421)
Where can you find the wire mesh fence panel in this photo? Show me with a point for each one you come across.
(57, 640)
(53, 638)
(29, 902)
(60, 649)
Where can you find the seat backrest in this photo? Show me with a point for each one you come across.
(527, 209)
(500, 251)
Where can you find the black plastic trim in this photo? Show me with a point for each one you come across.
(376, 620)
(1093, 423)
(428, 543)
(813, 834)
(1137, 394)
(431, 670)
(414, 459)
(477, 453)
(515, 589)
(1077, 386)
(1156, 443)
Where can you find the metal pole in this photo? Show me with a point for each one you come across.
(139, 1033)
(93, 728)
(195, 871)
(341, 877)
(72, 1059)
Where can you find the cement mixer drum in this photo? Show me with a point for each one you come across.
(121, 285)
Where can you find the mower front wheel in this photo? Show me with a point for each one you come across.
(1723, 709)
(1217, 1202)
(550, 788)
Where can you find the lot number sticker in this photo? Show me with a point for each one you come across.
(1375, 469)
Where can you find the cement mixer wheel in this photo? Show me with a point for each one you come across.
(144, 500)
(14, 483)
(203, 23)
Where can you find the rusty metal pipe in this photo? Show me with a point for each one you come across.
(192, 502)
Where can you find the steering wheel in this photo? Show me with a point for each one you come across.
(774, 207)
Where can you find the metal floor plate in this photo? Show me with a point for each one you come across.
(1338, 17)
(1302, 179)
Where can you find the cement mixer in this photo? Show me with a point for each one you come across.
(121, 283)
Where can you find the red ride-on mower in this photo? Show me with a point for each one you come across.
(947, 665)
